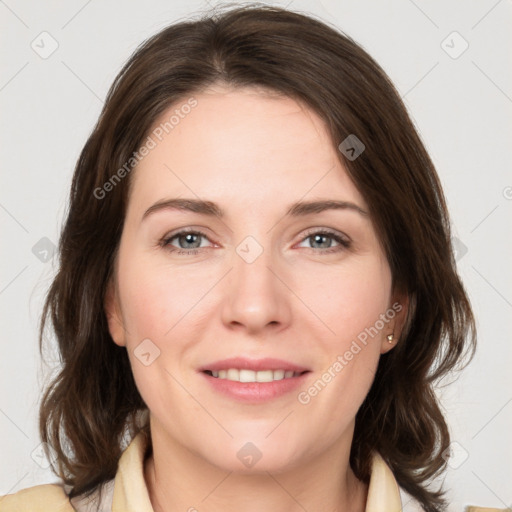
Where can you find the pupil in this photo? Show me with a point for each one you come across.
(189, 239)
(321, 239)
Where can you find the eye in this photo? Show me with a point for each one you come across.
(185, 242)
(327, 241)
(188, 242)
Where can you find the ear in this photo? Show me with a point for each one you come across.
(113, 314)
(397, 313)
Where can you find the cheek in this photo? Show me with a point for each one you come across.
(348, 299)
(157, 298)
(168, 307)
(157, 303)
(350, 306)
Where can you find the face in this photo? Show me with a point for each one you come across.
(306, 290)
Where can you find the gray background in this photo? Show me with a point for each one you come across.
(461, 102)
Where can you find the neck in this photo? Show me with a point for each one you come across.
(179, 480)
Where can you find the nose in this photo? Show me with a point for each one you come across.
(255, 298)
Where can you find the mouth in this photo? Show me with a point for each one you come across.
(245, 375)
(254, 381)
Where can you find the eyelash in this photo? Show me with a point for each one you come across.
(344, 243)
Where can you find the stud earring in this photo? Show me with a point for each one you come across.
(390, 338)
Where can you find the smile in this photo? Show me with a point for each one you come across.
(244, 375)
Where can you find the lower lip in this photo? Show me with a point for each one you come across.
(255, 392)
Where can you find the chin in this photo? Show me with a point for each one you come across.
(245, 456)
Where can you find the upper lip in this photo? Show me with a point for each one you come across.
(244, 363)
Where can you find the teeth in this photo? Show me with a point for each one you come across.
(232, 374)
(253, 376)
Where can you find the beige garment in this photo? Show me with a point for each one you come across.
(128, 491)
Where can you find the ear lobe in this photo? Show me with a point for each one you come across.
(113, 314)
(400, 307)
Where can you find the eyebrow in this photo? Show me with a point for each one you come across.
(300, 208)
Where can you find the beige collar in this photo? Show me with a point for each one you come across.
(131, 493)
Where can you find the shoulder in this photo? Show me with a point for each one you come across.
(39, 498)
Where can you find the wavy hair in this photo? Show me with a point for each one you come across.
(88, 407)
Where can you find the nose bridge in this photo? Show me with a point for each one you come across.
(255, 296)
(251, 265)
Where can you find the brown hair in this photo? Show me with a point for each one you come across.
(88, 407)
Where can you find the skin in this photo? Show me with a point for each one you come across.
(253, 154)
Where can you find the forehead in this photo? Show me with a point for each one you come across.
(241, 145)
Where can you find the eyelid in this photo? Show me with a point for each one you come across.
(305, 234)
(165, 240)
(330, 231)
(341, 238)
(344, 242)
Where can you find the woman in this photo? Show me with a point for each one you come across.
(256, 290)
